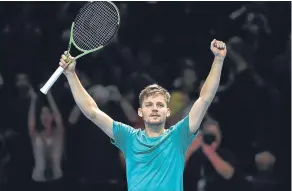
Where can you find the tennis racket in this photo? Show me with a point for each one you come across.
(93, 28)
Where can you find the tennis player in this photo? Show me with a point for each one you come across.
(154, 156)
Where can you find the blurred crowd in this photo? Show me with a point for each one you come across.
(158, 42)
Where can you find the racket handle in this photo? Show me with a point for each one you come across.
(52, 80)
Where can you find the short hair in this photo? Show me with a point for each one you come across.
(40, 104)
(209, 122)
(152, 90)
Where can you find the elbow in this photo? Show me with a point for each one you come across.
(91, 112)
(89, 109)
(228, 173)
(206, 99)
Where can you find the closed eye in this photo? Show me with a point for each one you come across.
(148, 104)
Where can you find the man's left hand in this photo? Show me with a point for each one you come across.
(218, 48)
(207, 149)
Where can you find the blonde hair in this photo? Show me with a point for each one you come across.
(152, 90)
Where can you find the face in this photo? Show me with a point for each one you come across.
(21, 79)
(265, 161)
(22, 84)
(46, 117)
(154, 110)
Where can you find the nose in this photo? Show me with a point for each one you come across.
(154, 108)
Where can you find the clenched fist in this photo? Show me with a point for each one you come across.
(218, 48)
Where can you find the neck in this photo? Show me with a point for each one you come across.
(154, 130)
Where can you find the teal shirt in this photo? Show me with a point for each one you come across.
(154, 163)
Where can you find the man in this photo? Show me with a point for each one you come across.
(218, 166)
(155, 156)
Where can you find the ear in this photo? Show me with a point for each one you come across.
(168, 112)
(140, 112)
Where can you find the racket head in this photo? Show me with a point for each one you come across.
(94, 27)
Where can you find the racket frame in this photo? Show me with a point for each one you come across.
(60, 70)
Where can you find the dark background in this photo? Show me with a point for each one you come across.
(253, 112)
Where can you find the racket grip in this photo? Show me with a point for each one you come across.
(52, 80)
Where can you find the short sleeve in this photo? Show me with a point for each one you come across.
(123, 134)
(185, 136)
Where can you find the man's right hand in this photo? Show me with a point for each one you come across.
(68, 64)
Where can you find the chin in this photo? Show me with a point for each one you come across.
(154, 122)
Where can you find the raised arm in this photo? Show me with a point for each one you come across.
(31, 113)
(74, 115)
(84, 101)
(210, 86)
(56, 113)
(126, 106)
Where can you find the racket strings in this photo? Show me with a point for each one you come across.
(95, 25)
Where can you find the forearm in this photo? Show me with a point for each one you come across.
(31, 114)
(222, 167)
(81, 97)
(74, 115)
(211, 84)
(56, 112)
(129, 111)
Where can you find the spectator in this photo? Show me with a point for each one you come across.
(218, 166)
(47, 138)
